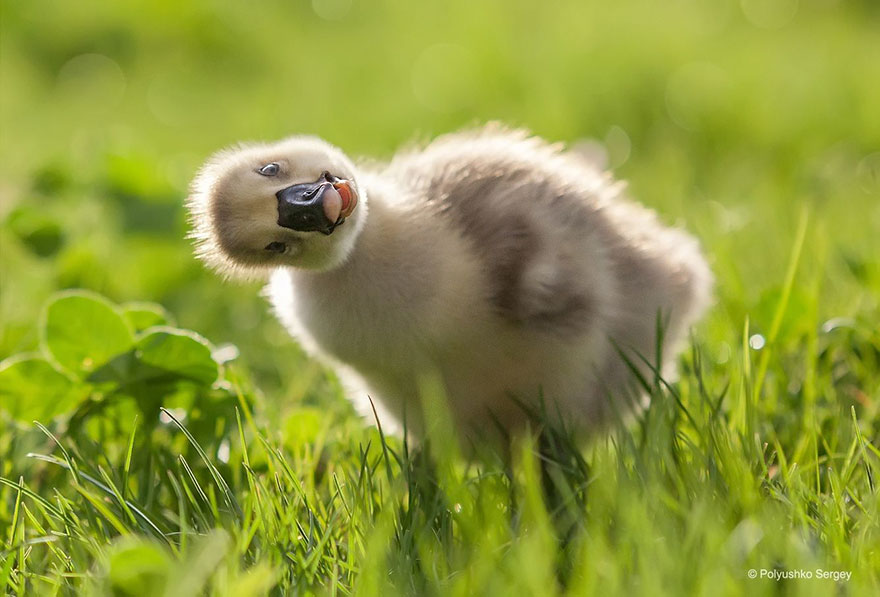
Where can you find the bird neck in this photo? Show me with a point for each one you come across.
(390, 258)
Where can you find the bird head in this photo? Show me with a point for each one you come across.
(292, 203)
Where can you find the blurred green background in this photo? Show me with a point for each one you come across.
(728, 117)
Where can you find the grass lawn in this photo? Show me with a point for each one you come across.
(180, 444)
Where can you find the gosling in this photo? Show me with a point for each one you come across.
(508, 272)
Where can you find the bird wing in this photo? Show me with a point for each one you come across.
(524, 209)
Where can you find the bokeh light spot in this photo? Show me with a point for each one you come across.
(868, 173)
(769, 14)
(223, 451)
(94, 78)
(331, 10)
(619, 146)
(591, 151)
(723, 353)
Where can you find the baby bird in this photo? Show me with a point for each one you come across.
(494, 263)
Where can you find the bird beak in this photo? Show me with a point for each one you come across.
(318, 206)
(314, 206)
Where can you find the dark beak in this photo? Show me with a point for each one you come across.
(301, 207)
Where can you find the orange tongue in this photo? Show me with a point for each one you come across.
(347, 196)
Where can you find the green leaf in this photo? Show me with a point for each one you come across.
(141, 316)
(82, 331)
(166, 366)
(138, 567)
(37, 230)
(192, 575)
(178, 353)
(32, 389)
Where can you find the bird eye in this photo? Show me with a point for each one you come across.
(269, 169)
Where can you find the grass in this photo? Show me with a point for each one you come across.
(686, 499)
(756, 130)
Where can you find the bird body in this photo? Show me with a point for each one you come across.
(489, 260)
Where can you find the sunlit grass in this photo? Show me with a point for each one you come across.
(683, 500)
